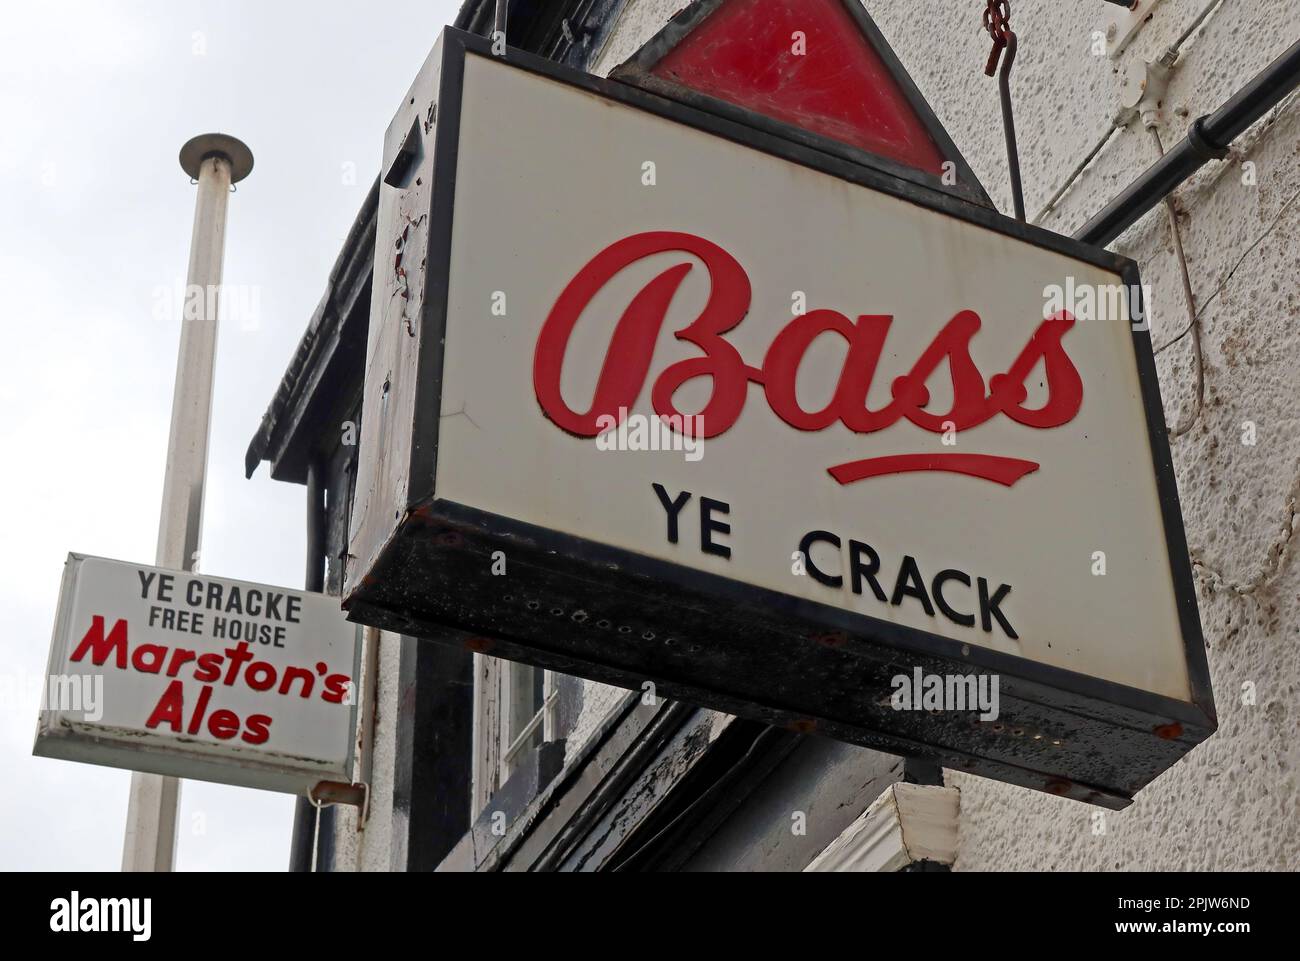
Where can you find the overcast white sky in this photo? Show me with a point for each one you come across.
(96, 99)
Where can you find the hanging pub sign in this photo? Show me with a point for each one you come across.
(192, 676)
(658, 397)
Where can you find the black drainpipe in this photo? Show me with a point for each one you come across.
(304, 814)
(1209, 139)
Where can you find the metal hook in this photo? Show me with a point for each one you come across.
(997, 21)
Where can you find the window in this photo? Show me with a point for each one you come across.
(514, 714)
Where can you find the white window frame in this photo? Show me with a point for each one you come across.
(505, 724)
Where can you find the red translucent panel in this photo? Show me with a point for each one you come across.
(748, 53)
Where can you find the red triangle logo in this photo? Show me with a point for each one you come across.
(818, 66)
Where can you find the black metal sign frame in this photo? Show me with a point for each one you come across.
(585, 608)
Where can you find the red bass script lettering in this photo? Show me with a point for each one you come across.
(627, 364)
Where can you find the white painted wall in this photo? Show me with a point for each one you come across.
(1231, 803)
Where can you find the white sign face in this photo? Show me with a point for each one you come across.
(946, 420)
(180, 673)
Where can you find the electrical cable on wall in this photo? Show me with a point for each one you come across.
(1116, 123)
(1231, 273)
(1190, 299)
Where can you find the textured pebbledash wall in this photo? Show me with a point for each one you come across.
(1232, 803)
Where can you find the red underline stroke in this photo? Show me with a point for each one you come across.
(1002, 470)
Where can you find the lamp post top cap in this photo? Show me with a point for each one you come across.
(205, 145)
